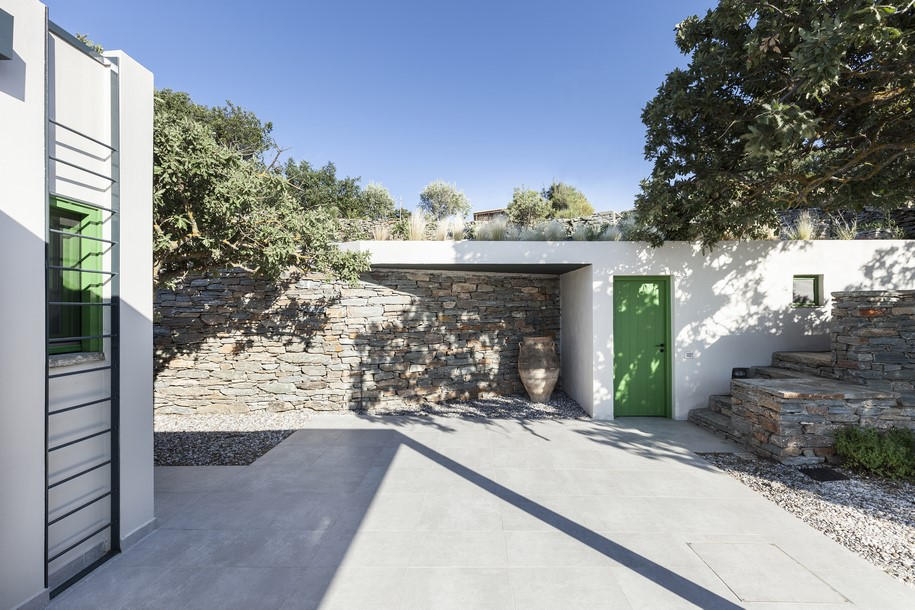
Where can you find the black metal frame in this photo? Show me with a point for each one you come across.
(113, 335)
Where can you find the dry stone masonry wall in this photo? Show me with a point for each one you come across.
(873, 340)
(233, 343)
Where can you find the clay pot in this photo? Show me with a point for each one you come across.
(538, 365)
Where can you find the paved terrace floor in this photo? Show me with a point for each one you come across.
(410, 512)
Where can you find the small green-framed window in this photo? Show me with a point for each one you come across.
(806, 291)
(71, 291)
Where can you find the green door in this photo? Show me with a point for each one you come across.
(641, 346)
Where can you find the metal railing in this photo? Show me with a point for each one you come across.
(112, 366)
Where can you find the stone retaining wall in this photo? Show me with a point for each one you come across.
(231, 343)
(873, 340)
(795, 420)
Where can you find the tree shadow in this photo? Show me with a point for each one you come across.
(327, 482)
(265, 313)
(457, 345)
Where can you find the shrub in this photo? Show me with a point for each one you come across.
(585, 232)
(889, 453)
(531, 233)
(554, 231)
(401, 228)
(611, 233)
(496, 229)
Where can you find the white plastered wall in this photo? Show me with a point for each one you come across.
(79, 95)
(22, 231)
(136, 408)
(731, 307)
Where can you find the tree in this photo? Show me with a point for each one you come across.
(440, 200)
(215, 205)
(231, 126)
(527, 207)
(566, 201)
(319, 188)
(377, 202)
(785, 104)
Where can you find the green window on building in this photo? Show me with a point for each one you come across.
(806, 291)
(69, 290)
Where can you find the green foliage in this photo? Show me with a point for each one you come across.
(377, 202)
(783, 105)
(84, 38)
(231, 126)
(527, 208)
(217, 204)
(319, 188)
(889, 453)
(440, 200)
(566, 201)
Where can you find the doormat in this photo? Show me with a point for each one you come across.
(823, 474)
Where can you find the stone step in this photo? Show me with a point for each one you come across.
(810, 388)
(812, 363)
(710, 420)
(775, 372)
(720, 403)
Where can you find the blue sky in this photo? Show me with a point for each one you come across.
(488, 95)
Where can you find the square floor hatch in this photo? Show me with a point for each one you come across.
(762, 572)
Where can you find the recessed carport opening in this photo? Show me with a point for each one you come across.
(458, 335)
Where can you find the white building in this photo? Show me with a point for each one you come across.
(657, 330)
(76, 469)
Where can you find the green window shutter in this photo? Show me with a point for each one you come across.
(75, 286)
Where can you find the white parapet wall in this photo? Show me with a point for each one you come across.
(109, 100)
(731, 307)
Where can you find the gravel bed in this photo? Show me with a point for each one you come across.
(872, 517)
(239, 439)
(560, 406)
(221, 439)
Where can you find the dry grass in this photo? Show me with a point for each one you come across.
(804, 228)
(416, 227)
(381, 232)
(843, 229)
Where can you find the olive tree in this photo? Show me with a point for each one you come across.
(527, 207)
(440, 199)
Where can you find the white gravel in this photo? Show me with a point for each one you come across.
(875, 518)
(239, 439)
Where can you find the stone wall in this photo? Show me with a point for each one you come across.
(873, 340)
(232, 343)
(795, 420)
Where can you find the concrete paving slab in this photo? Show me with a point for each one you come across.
(762, 572)
(420, 511)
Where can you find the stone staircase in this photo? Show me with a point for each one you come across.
(790, 410)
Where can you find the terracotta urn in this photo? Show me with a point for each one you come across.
(538, 365)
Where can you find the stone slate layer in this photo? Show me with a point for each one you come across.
(873, 340)
(229, 342)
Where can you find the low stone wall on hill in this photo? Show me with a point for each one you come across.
(232, 343)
